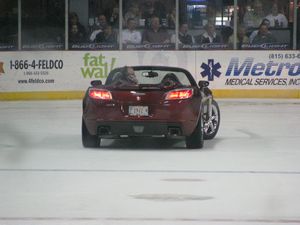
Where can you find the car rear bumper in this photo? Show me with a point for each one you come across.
(137, 128)
(169, 119)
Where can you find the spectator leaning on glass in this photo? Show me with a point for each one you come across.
(254, 17)
(277, 19)
(155, 34)
(209, 36)
(264, 35)
(131, 35)
(183, 36)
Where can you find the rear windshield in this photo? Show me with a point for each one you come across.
(151, 77)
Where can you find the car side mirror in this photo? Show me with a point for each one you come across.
(203, 83)
(96, 83)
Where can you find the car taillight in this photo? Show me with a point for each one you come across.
(100, 94)
(179, 94)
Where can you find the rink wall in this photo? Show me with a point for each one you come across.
(67, 74)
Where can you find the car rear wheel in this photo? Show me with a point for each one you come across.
(195, 140)
(88, 140)
(211, 122)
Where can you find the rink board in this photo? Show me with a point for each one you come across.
(67, 74)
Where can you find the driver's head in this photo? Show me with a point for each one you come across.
(130, 75)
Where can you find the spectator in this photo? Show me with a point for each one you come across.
(134, 13)
(171, 17)
(114, 18)
(263, 36)
(131, 35)
(156, 34)
(277, 19)
(255, 17)
(209, 36)
(75, 35)
(254, 33)
(241, 38)
(76, 29)
(183, 36)
(108, 36)
(99, 27)
(148, 13)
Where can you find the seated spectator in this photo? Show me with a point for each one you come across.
(155, 34)
(263, 36)
(131, 35)
(183, 36)
(254, 33)
(77, 31)
(254, 18)
(75, 36)
(277, 19)
(108, 36)
(241, 38)
(99, 27)
(209, 36)
(133, 13)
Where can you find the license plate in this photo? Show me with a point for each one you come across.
(138, 111)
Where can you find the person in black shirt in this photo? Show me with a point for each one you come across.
(183, 36)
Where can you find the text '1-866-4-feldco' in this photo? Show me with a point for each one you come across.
(36, 64)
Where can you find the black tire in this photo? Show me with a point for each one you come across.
(212, 123)
(88, 140)
(195, 140)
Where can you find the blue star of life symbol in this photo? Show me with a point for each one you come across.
(210, 70)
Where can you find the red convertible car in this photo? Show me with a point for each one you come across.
(151, 101)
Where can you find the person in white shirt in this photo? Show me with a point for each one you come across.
(277, 19)
(131, 35)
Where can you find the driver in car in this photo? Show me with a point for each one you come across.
(126, 77)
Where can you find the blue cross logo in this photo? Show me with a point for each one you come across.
(210, 70)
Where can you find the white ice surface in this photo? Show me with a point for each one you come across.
(249, 174)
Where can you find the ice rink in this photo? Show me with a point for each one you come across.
(249, 174)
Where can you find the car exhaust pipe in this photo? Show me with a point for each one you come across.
(174, 131)
(104, 131)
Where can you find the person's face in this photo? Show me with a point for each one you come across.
(241, 32)
(131, 24)
(258, 8)
(155, 23)
(108, 30)
(74, 29)
(73, 20)
(131, 75)
(275, 9)
(266, 22)
(210, 29)
(184, 28)
(102, 20)
(263, 30)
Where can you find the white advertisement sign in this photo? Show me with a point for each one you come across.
(70, 71)
(250, 69)
(73, 70)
